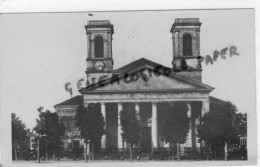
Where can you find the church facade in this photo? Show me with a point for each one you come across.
(147, 85)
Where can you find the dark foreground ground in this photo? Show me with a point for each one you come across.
(135, 163)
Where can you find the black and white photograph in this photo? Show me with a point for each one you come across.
(128, 87)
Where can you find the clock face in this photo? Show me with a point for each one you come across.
(99, 65)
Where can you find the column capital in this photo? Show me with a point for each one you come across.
(137, 105)
(188, 103)
(205, 100)
(155, 103)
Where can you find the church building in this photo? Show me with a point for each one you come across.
(147, 85)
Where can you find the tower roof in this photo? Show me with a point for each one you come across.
(99, 24)
(185, 22)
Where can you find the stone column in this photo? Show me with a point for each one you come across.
(198, 41)
(104, 137)
(154, 127)
(192, 126)
(89, 44)
(119, 136)
(180, 50)
(197, 123)
(105, 45)
(189, 138)
(173, 45)
(109, 44)
(137, 108)
(92, 47)
(205, 107)
(189, 111)
(193, 44)
(177, 45)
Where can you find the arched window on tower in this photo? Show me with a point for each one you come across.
(187, 45)
(99, 47)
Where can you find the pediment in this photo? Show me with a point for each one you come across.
(145, 79)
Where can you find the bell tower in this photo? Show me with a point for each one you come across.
(99, 34)
(186, 47)
(99, 43)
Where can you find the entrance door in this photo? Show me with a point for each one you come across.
(146, 143)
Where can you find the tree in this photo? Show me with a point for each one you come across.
(19, 133)
(55, 132)
(218, 127)
(51, 130)
(70, 148)
(130, 126)
(175, 126)
(240, 124)
(91, 124)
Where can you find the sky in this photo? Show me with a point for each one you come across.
(41, 52)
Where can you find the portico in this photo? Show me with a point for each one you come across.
(153, 92)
